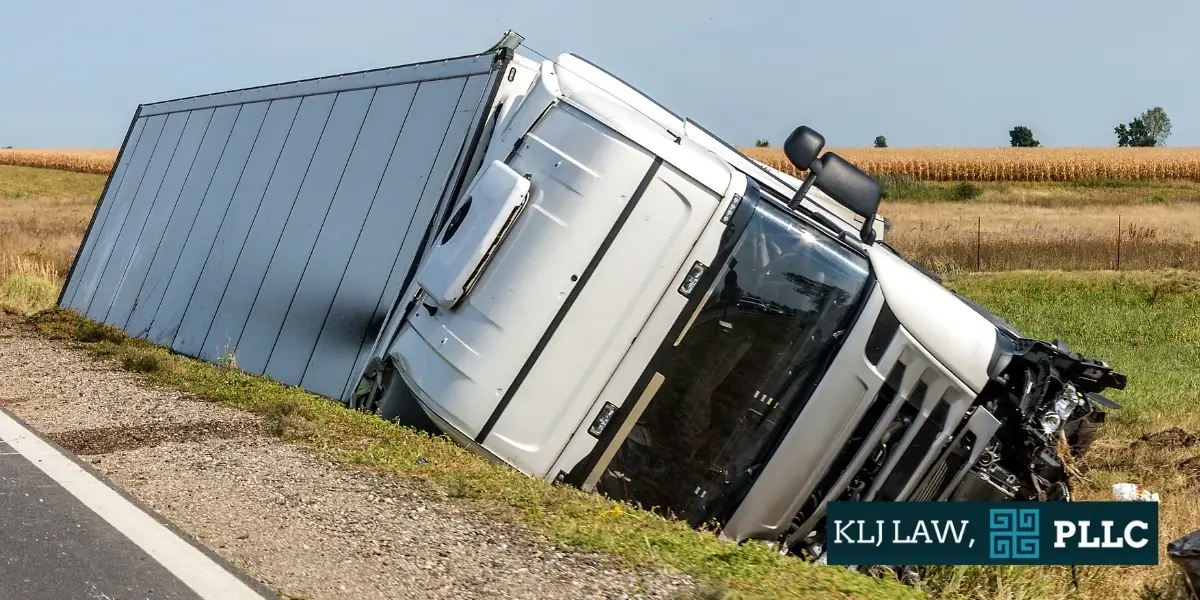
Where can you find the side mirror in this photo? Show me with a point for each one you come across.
(851, 187)
(803, 146)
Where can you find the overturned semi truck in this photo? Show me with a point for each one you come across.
(544, 264)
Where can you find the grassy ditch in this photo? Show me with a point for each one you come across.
(1148, 325)
(568, 517)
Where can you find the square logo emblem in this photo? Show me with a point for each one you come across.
(1014, 534)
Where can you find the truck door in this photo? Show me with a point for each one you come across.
(515, 364)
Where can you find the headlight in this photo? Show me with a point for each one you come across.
(1064, 405)
(1051, 422)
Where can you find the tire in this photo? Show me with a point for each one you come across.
(398, 405)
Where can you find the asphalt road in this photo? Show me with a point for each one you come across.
(65, 534)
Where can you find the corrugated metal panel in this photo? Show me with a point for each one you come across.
(279, 222)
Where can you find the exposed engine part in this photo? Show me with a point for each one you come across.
(1041, 394)
(990, 483)
(990, 456)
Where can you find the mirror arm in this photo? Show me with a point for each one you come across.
(868, 230)
(813, 171)
(803, 191)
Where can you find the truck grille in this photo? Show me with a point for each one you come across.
(862, 431)
(955, 460)
(896, 449)
(923, 442)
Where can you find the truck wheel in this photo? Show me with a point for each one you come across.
(398, 405)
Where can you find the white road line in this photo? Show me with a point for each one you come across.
(191, 566)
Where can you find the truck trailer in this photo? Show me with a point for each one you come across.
(539, 261)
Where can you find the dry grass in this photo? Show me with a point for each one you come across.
(79, 160)
(998, 236)
(1013, 164)
(43, 215)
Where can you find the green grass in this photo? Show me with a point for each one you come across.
(1147, 325)
(1144, 324)
(22, 182)
(43, 213)
(1131, 184)
(26, 293)
(905, 188)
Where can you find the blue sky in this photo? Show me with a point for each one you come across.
(921, 73)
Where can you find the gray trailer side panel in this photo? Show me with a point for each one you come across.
(116, 177)
(182, 219)
(114, 207)
(309, 209)
(116, 267)
(234, 309)
(453, 68)
(277, 222)
(408, 196)
(208, 282)
(160, 214)
(178, 295)
(347, 214)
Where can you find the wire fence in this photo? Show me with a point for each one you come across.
(947, 247)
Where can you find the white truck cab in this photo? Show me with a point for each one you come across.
(622, 302)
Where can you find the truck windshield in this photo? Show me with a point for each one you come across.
(756, 347)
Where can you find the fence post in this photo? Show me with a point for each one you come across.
(978, 242)
(1118, 242)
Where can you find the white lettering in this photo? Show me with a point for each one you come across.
(841, 534)
(922, 531)
(1063, 530)
(1108, 541)
(896, 537)
(1129, 540)
(949, 530)
(1084, 542)
(861, 533)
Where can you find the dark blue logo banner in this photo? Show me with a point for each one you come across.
(992, 533)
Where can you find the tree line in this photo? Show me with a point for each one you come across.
(1149, 129)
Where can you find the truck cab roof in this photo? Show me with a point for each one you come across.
(584, 83)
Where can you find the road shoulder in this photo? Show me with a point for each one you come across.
(69, 531)
(290, 519)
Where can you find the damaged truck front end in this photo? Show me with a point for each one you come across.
(946, 403)
(803, 372)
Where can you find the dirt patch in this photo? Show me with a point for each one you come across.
(1168, 439)
(4, 401)
(1190, 468)
(105, 440)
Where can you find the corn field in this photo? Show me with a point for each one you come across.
(1012, 164)
(80, 160)
(932, 164)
